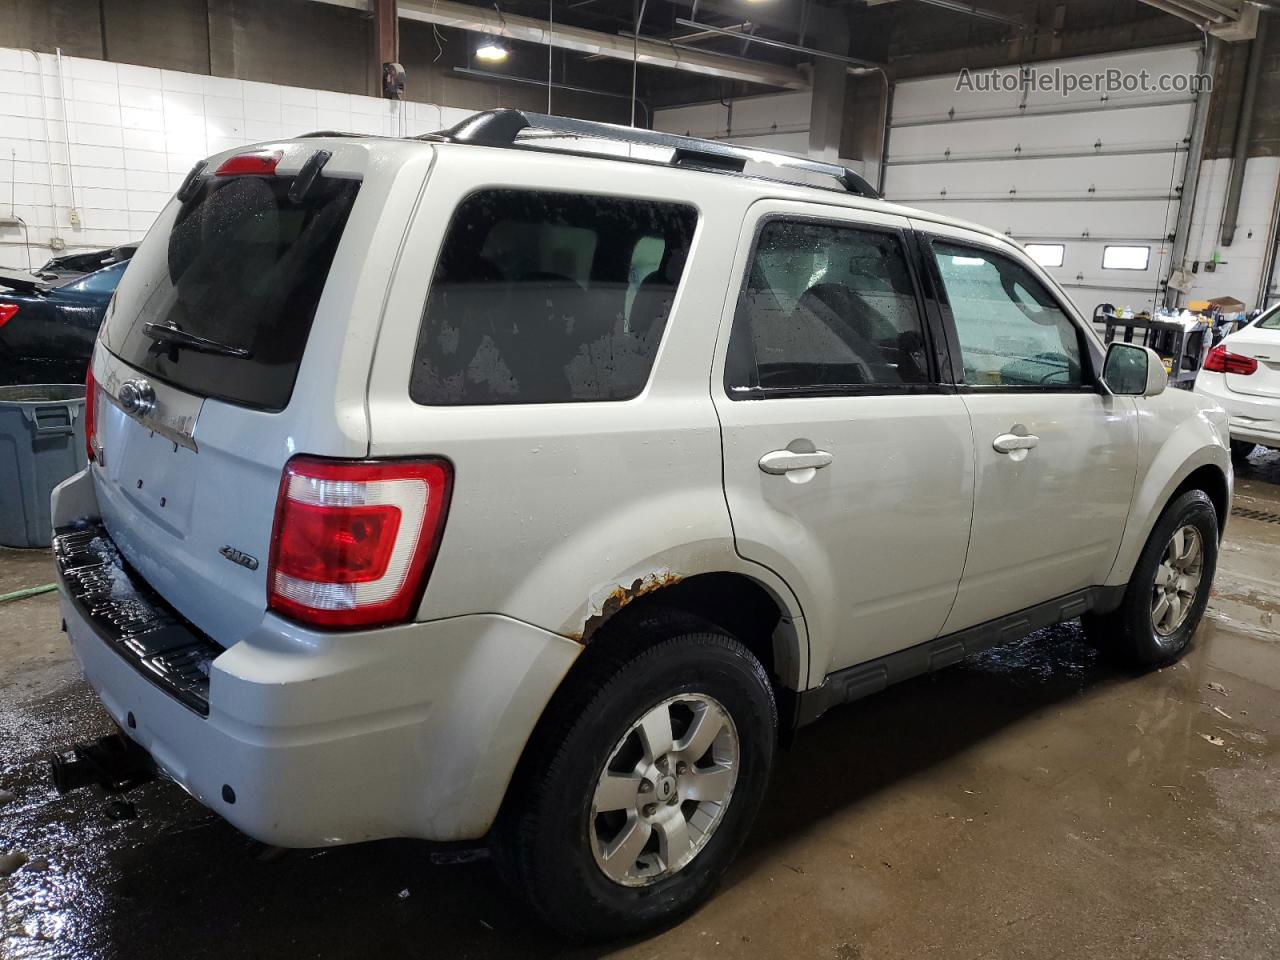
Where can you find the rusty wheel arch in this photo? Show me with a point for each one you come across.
(734, 602)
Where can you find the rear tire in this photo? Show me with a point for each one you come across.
(642, 781)
(1168, 591)
(1241, 449)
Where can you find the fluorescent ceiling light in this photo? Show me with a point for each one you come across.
(491, 52)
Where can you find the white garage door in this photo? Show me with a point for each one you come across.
(1092, 180)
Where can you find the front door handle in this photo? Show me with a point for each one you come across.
(780, 462)
(1010, 442)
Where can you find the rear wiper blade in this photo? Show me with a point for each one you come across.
(175, 339)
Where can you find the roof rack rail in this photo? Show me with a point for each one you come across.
(500, 128)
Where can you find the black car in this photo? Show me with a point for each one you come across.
(47, 332)
(75, 265)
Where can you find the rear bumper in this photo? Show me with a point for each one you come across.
(1252, 419)
(325, 738)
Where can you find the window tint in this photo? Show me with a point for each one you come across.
(1011, 331)
(549, 298)
(1270, 320)
(240, 263)
(825, 307)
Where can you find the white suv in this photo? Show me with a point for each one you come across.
(532, 479)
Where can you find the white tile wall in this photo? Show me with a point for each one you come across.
(134, 132)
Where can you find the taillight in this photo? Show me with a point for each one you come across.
(354, 540)
(90, 415)
(1220, 360)
(261, 163)
(7, 312)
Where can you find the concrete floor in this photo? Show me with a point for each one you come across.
(1030, 802)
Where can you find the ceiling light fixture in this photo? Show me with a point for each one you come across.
(491, 52)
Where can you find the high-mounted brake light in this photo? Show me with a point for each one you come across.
(260, 163)
(7, 312)
(90, 416)
(1221, 360)
(354, 540)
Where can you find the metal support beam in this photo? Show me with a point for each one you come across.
(461, 16)
(826, 106)
(1195, 158)
(386, 39)
(1244, 133)
(386, 31)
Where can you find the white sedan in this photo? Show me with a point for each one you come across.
(1243, 374)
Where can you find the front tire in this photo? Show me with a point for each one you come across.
(1169, 589)
(643, 780)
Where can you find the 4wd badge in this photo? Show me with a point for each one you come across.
(240, 557)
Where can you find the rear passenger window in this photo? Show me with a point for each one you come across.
(825, 308)
(549, 298)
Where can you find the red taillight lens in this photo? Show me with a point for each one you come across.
(90, 415)
(350, 545)
(354, 540)
(262, 163)
(7, 312)
(1220, 360)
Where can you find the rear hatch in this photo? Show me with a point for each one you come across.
(1261, 342)
(241, 335)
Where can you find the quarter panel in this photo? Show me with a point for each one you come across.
(557, 505)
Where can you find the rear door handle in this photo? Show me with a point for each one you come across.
(1009, 442)
(779, 462)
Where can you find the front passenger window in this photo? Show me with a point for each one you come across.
(825, 308)
(1012, 333)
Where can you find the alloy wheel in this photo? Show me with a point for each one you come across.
(1177, 581)
(664, 790)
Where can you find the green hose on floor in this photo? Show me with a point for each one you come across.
(28, 592)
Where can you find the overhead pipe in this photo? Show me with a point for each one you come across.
(1216, 6)
(646, 50)
(973, 10)
(1173, 9)
(1206, 10)
(66, 135)
(779, 44)
(1244, 133)
(48, 138)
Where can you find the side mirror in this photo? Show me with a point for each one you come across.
(1134, 371)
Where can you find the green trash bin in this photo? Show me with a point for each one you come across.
(41, 444)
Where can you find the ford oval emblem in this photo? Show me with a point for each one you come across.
(137, 398)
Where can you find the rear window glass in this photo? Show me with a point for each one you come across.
(549, 298)
(242, 266)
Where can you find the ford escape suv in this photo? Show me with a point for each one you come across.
(538, 476)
